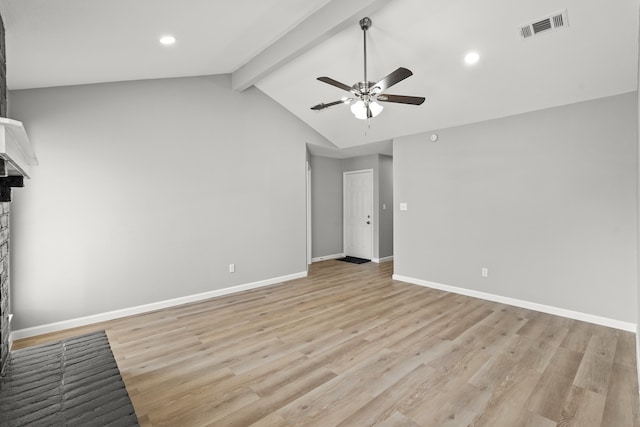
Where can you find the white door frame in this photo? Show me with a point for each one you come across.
(344, 204)
(309, 223)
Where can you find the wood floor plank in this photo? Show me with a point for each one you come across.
(457, 404)
(603, 343)
(388, 405)
(626, 349)
(395, 420)
(593, 373)
(578, 337)
(278, 397)
(621, 406)
(271, 420)
(506, 406)
(349, 346)
(505, 318)
(502, 367)
(582, 408)
(549, 395)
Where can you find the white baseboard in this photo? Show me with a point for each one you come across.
(598, 320)
(384, 259)
(326, 257)
(116, 314)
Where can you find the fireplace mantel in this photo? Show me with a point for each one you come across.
(16, 149)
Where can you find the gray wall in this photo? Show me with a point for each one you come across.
(148, 190)
(545, 200)
(638, 254)
(326, 206)
(385, 216)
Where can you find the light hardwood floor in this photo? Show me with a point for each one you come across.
(348, 346)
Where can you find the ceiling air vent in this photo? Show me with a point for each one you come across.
(552, 22)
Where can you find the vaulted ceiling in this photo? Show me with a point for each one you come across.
(281, 46)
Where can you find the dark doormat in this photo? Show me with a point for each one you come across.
(72, 382)
(354, 260)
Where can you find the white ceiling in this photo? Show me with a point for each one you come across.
(67, 42)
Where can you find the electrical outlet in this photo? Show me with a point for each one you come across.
(232, 268)
(485, 272)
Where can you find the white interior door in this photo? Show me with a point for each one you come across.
(358, 214)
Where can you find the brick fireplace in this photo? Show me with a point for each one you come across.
(5, 330)
(13, 167)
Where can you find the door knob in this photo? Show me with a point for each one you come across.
(368, 222)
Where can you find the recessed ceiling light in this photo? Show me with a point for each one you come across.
(167, 40)
(471, 58)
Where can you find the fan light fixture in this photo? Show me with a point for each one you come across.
(167, 40)
(471, 58)
(367, 94)
(359, 109)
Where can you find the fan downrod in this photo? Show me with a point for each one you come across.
(365, 24)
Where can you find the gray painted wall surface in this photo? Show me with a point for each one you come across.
(148, 190)
(386, 215)
(545, 200)
(638, 254)
(326, 206)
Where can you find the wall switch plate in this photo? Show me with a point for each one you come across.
(403, 207)
(232, 268)
(485, 272)
(384, 206)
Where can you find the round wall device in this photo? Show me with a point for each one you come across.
(434, 137)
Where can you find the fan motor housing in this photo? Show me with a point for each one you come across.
(363, 87)
(365, 23)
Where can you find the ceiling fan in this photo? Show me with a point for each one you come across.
(366, 94)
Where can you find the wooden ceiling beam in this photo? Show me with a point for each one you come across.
(329, 20)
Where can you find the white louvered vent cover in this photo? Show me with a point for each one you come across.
(555, 21)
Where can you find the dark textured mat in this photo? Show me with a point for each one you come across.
(354, 260)
(73, 382)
